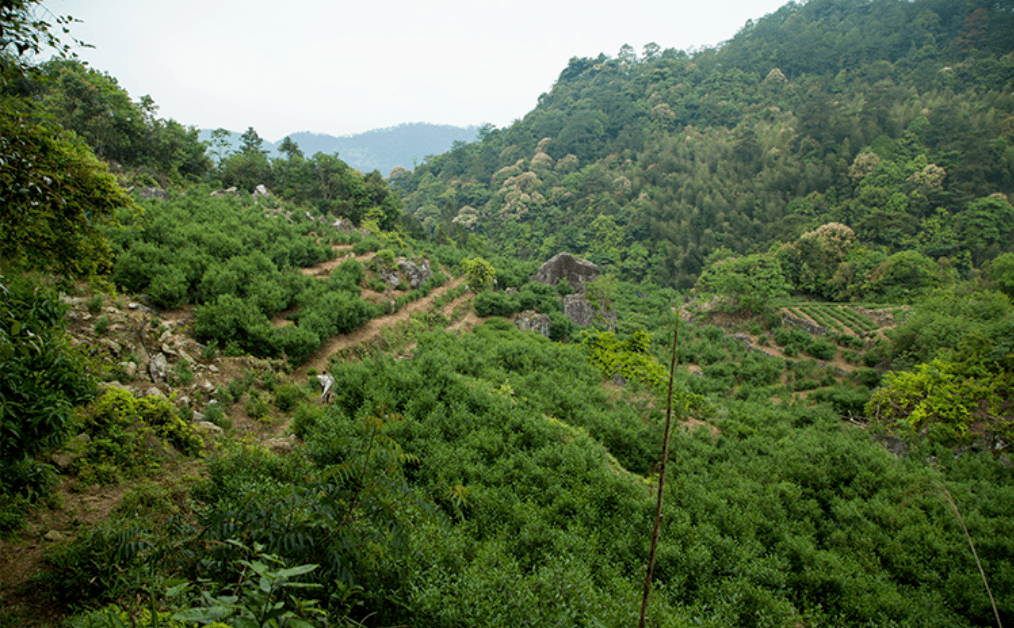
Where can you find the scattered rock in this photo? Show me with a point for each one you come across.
(186, 357)
(261, 192)
(229, 192)
(578, 310)
(206, 427)
(154, 392)
(281, 446)
(157, 194)
(113, 346)
(53, 536)
(743, 338)
(158, 368)
(129, 369)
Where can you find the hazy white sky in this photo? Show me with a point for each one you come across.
(342, 68)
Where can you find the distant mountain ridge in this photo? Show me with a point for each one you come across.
(404, 145)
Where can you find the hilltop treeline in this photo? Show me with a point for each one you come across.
(893, 118)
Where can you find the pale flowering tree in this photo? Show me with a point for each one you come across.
(863, 166)
(930, 178)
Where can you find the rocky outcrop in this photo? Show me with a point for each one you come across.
(894, 445)
(530, 320)
(147, 193)
(580, 311)
(801, 323)
(415, 273)
(575, 270)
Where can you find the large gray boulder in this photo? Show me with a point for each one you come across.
(580, 311)
(530, 320)
(415, 274)
(575, 270)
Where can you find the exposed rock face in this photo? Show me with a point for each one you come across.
(894, 445)
(415, 274)
(390, 276)
(580, 311)
(576, 270)
(261, 192)
(530, 320)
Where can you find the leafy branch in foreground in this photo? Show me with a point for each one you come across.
(260, 599)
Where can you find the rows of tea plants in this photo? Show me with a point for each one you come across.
(838, 317)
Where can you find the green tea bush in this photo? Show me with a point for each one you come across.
(368, 244)
(101, 326)
(98, 564)
(288, 395)
(256, 405)
(128, 436)
(488, 303)
(820, 349)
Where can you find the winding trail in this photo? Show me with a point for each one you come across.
(372, 329)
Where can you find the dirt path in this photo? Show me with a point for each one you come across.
(324, 269)
(371, 329)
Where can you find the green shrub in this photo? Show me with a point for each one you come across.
(560, 326)
(95, 564)
(821, 349)
(128, 435)
(43, 379)
(256, 406)
(101, 326)
(94, 304)
(288, 395)
(181, 375)
(215, 413)
(488, 303)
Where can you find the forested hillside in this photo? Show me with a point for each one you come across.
(240, 390)
(893, 118)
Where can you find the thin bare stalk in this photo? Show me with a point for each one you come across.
(661, 477)
(982, 572)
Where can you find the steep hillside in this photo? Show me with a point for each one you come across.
(893, 118)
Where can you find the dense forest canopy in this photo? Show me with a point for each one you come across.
(893, 118)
